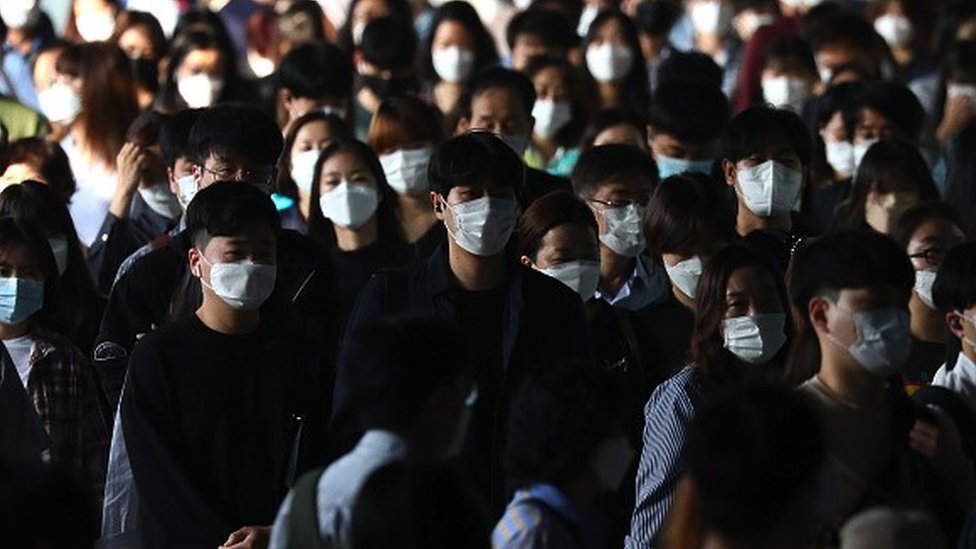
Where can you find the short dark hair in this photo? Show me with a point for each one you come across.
(607, 118)
(472, 158)
(227, 208)
(316, 70)
(689, 213)
(400, 362)
(689, 112)
(691, 66)
(389, 43)
(49, 159)
(751, 129)
(842, 27)
(174, 135)
(548, 25)
(955, 285)
(792, 50)
(656, 18)
(912, 219)
(613, 162)
(546, 213)
(497, 78)
(895, 102)
(235, 130)
(838, 97)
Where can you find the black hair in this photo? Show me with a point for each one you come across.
(558, 420)
(497, 78)
(174, 135)
(284, 184)
(607, 118)
(20, 232)
(389, 43)
(895, 102)
(485, 53)
(688, 214)
(241, 131)
(753, 129)
(546, 213)
(840, 26)
(580, 97)
(472, 158)
(399, 9)
(197, 37)
(614, 162)
(550, 26)
(793, 50)
(656, 18)
(227, 208)
(691, 66)
(838, 97)
(955, 285)
(914, 217)
(634, 93)
(960, 60)
(961, 176)
(316, 70)
(400, 362)
(687, 111)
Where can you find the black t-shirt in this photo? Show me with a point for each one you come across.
(354, 268)
(925, 359)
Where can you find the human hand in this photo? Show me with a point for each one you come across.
(249, 537)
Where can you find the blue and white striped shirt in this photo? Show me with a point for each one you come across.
(667, 420)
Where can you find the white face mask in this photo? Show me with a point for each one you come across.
(755, 339)
(303, 169)
(333, 110)
(883, 340)
(60, 103)
(582, 277)
(349, 206)
(95, 25)
(896, 30)
(242, 285)
(962, 90)
(923, 286)
(609, 62)
(452, 64)
(17, 13)
(840, 156)
(786, 91)
(161, 200)
(199, 90)
(685, 274)
(586, 19)
(550, 117)
(59, 248)
(770, 189)
(861, 149)
(187, 186)
(483, 226)
(406, 170)
(624, 235)
(612, 461)
(711, 17)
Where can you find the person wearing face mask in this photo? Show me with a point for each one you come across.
(141, 37)
(952, 293)
(384, 64)
(228, 350)
(907, 28)
(852, 291)
(741, 335)
(92, 20)
(714, 36)
(560, 115)
(885, 110)
(501, 100)
(423, 420)
(927, 232)
(566, 450)
(616, 182)
(613, 60)
(58, 379)
(684, 123)
(541, 31)
(362, 12)
(313, 77)
(507, 313)
(789, 75)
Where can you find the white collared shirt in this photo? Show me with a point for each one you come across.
(961, 379)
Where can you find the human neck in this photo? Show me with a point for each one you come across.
(927, 324)
(848, 380)
(304, 205)
(221, 318)
(903, 56)
(368, 100)
(615, 270)
(746, 222)
(13, 331)
(609, 95)
(416, 216)
(710, 44)
(350, 240)
(546, 147)
(446, 95)
(683, 299)
(475, 273)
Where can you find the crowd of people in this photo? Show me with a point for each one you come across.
(488, 273)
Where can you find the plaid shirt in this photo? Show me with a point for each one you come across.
(64, 391)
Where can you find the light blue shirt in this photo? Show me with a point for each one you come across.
(18, 74)
(648, 284)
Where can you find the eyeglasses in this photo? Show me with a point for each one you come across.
(933, 256)
(611, 204)
(237, 174)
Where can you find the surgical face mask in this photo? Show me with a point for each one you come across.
(406, 170)
(825, 73)
(95, 25)
(962, 90)
(483, 226)
(801, 3)
(624, 234)
(883, 340)
(550, 117)
(59, 248)
(303, 169)
(756, 338)
(60, 103)
(17, 13)
(786, 91)
(586, 19)
(923, 286)
(881, 211)
(609, 62)
(685, 274)
(350, 206)
(161, 200)
(452, 64)
(861, 149)
(188, 189)
(770, 189)
(20, 298)
(612, 461)
(840, 156)
(582, 277)
(667, 166)
(199, 90)
(711, 17)
(896, 30)
(333, 110)
(242, 285)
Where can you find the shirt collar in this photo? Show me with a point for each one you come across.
(964, 367)
(379, 441)
(554, 498)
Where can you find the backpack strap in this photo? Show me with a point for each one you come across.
(303, 520)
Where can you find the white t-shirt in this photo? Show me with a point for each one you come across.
(961, 379)
(19, 350)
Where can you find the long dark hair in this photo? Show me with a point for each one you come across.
(17, 232)
(635, 96)
(284, 184)
(485, 53)
(193, 38)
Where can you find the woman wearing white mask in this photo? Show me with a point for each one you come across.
(403, 133)
(352, 216)
(361, 12)
(304, 140)
(789, 74)
(741, 337)
(201, 72)
(613, 59)
(560, 114)
(457, 47)
(907, 28)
